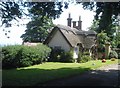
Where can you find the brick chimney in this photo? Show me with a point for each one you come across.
(69, 20)
(79, 23)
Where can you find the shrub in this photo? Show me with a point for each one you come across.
(20, 56)
(67, 57)
(9, 53)
(101, 48)
(59, 55)
(55, 55)
(112, 59)
(113, 54)
(85, 58)
(86, 53)
(79, 57)
(118, 46)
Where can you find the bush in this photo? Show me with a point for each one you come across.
(79, 57)
(112, 59)
(101, 48)
(9, 55)
(67, 57)
(85, 58)
(86, 53)
(20, 56)
(55, 55)
(113, 54)
(59, 55)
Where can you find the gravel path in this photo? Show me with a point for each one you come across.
(104, 76)
(110, 67)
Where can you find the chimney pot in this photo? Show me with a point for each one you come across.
(69, 15)
(80, 23)
(69, 20)
(74, 24)
(79, 18)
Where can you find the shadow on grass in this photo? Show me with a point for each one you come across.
(105, 78)
(35, 76)
(60, 77)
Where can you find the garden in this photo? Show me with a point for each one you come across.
(30, 66)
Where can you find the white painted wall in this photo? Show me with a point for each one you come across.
(59, 40)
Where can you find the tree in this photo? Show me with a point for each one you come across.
(42, 14)
(102, 39)
(116, 38)
(94, 26)
(10, 11)
(37, 31)
(106, 13)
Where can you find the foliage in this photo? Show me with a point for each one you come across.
(102, 39)
(79, 57)
(85, 58)
(112, 59)
(94, 26)
(113, 54)
(86, 53)
(42, 14)
(118, 46)
(106, 18)
(37, 30)
(67, 56)
(9, 53)
(101, 48)
(13, 10)
(50, 9)
(117, 38)
(9, 11)
(20, 56)
(55, 55)
(59, 55)
(106, 13)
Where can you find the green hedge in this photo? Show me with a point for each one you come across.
(19, 56)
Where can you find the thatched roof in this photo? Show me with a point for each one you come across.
(67, 32)
(70, 34)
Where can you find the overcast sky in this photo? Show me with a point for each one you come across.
(75, 10)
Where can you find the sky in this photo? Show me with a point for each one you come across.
(75, 10)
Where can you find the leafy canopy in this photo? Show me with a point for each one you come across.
(106, 13)
(42, 14)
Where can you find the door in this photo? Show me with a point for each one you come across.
(76, 52)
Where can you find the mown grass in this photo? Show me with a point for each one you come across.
(29, 76)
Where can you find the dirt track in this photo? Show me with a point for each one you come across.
(104, 76)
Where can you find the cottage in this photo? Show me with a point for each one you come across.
(67, 37)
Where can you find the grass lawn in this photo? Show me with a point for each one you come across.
(29, 76)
